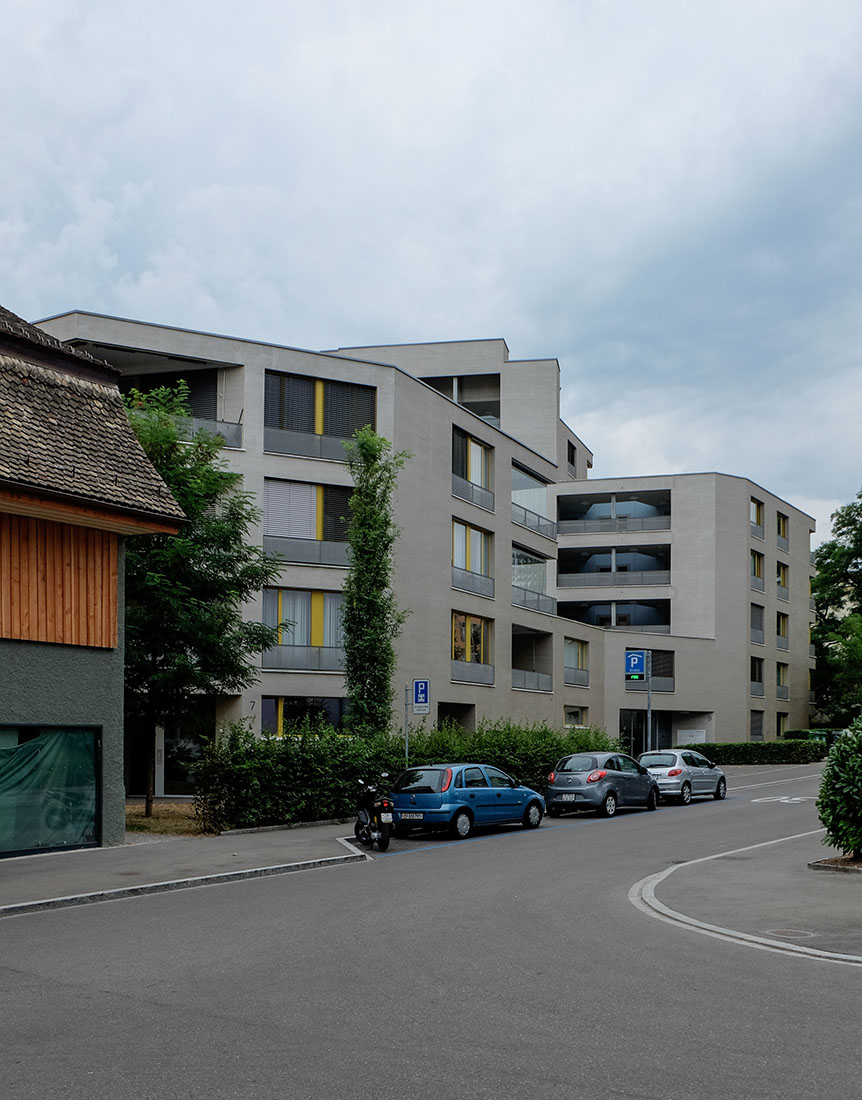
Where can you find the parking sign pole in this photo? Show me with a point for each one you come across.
(406, 727)
(649, 700)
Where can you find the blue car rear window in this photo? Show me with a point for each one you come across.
(420, 781)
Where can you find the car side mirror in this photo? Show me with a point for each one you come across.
(711, 764)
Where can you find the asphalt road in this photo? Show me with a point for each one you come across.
(511, 964)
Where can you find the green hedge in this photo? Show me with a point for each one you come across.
(313, 772)
(762, 752)
(839, 803)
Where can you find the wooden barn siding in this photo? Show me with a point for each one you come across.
(58, 583)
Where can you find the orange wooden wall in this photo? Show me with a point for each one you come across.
(58, 582)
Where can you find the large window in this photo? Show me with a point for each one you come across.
(300, 510)
(781, 578)
(471, 460)
(303, 617)
(294, 402)
(471, 637)
(528, 570)
(276, 711)
(756, 675)
(756, 570)
(756, 517)
(757, 633)
(471, 548)
(782, 630)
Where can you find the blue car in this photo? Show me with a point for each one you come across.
(458, 796)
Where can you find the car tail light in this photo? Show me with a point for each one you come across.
(552, 776)
(675, 771)
(447, 779)
(594, 777)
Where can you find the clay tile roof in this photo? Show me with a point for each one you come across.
(67, 434)
(23, 333)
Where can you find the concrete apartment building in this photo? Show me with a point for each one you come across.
(526, 582)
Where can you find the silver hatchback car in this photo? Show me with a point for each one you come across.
(682, 773)
(599, 781)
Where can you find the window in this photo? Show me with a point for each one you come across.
(781, 575)
(575, 716)
(756, 517)
(276, 710)
(757, 634)
(576, 654)
(756, 675)
(529, 491)
(471, 460)
(782, 624)
(299, 510)
(572, 456)
(470, 638)
(781, 724)
(471, 548)
(756, 725)
(782, 681)
(293, 402)
(313, 618)
(782, 526)
(756, 570)
(528, 570)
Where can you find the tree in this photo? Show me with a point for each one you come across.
(839, 803)
(185, 634)
(370, 617)
(837, 632)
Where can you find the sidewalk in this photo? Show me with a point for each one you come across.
(149, 864)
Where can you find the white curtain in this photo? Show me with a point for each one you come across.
(333, 634)
(296, 609)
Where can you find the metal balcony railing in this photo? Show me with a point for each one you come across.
(758, 636)
(576, 677)
(534, 521)
(307, 551)
(470, 672)
(525, 680)
(757, 688)
(612, 580)
(309, 658)
(284, 442)
(467, 581)
(782, 592)
(757, 583)
(782, 642)
(466, 490)
(658, 683)
(230, 432)
(535, 601)
(618, 523)
(782, 691)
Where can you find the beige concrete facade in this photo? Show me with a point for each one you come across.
(535, 647)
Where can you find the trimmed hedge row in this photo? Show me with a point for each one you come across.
(313, 773)
(762, 752)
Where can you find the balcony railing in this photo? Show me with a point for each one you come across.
(782, 592)
(757, 530)
(524, 680)
(466, 490)
(468, 581)
(230, 432)
(638, 628)
(757, 583)
(782, 691)
(534, 521)
(626, 578)
(657, 683)
(307, 551)
(812, 649)
(577, 677)
(618, 523)
(782, 543)
(284, 442)
(758, 636)
(471, 672)
(309, 658)
(535, 601)
(782, 642)
(757, 688)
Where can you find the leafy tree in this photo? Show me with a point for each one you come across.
(837, 632)
(185, 634)
(370, 617)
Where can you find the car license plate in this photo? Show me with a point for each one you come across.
(567, 798)
(411, 817)
(386, 819)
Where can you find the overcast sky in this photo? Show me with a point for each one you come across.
(665, 195)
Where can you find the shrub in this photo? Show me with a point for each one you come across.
(762, 752)
(312, 773)
(839, 803)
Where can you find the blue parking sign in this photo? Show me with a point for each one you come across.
(421, 696)
(635, 664)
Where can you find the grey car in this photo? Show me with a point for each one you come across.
(683, 773)
(600, 781)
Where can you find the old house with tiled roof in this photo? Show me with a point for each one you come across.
(74, 484)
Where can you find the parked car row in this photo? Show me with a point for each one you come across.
(458, 797)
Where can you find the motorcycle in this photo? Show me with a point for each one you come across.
(374, 816)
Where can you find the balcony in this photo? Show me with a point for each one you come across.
(231, 433)
(284, 442)
(535, 601)
(466, 490)
(477, 583)
(618, 523)
(307, 551)
(624, 578)
(470, 672)
(534, 521)
(576, 677)
(308, 658)
(524, 680)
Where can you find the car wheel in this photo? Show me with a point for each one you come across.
(685, 794)
(652, 800)
(532, 818)
(462, 825)
(720, 789)
(609, 807)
